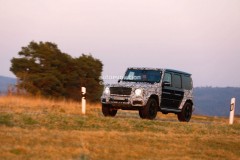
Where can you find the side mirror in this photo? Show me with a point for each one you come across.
(165, 83)
(119, 80)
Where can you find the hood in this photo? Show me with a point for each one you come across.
(134, 85)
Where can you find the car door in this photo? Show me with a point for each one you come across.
(167, 99)
(178, 92)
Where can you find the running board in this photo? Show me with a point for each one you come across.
(171, 110)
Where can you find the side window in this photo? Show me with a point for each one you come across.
(187, 82)
(168, 78)
(177, 81)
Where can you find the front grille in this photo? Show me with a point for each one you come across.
(120, 90)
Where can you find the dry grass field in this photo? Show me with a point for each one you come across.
(37, 128)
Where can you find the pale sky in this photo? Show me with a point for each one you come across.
(197, 36)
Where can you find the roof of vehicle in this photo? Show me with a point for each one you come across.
(160, 69)
(176, 71)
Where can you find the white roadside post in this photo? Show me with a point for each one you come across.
(232, 108)
(83, 100)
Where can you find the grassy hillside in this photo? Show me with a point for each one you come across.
(36, 128)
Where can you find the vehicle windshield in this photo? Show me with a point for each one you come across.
(135, 75)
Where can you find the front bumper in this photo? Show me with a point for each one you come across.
(118, 100)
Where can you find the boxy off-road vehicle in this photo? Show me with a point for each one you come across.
(150, 90)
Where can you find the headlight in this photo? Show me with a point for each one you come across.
(138, 92)
(107, 90)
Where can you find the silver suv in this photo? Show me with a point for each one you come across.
(150, 90)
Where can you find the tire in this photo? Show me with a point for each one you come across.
(150, 110)
(140, 114)
(108, 111)
(186, 113)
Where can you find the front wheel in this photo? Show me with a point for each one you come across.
(186, 113)
(108, 111)
(150, 110)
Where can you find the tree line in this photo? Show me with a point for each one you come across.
(43, 69)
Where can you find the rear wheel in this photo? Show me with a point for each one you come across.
(108, 111)
(150, 110)
(186, 113)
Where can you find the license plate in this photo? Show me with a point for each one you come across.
(119, 98)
